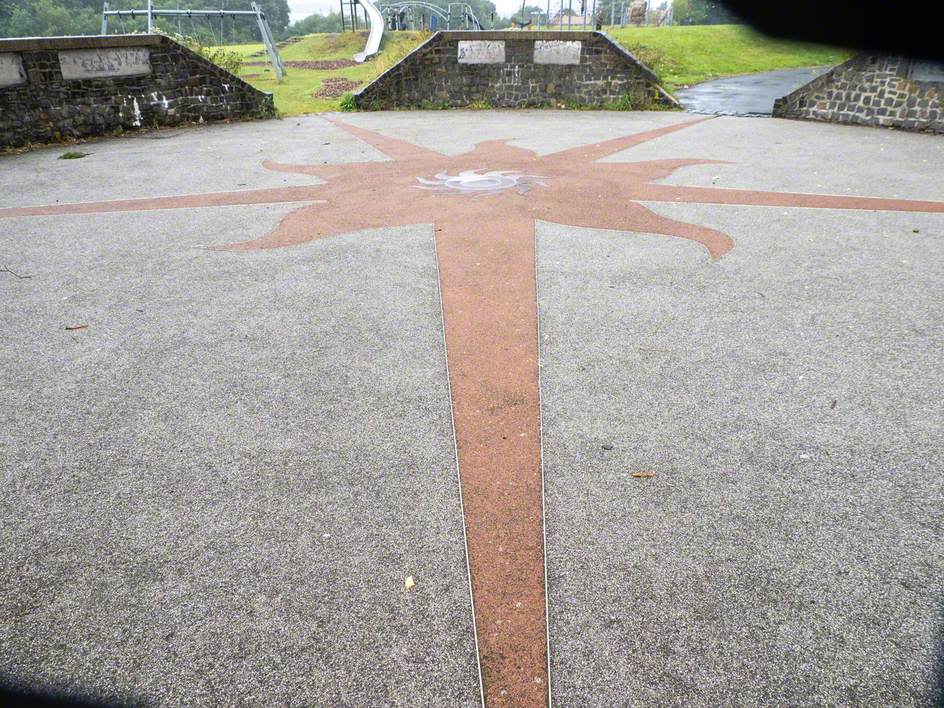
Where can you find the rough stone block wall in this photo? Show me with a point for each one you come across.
(870, 90)
(179, 87)
(589, 69)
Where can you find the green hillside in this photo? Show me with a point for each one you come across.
(680, 55)
(685, 55)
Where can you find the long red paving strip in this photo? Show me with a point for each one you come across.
(273, 195)
(489, 307)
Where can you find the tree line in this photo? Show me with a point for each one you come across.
(484, 10)
(42, 18)
(685, 12)
(46, 18)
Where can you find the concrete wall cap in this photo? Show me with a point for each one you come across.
(33, 44)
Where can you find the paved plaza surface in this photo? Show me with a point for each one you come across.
(426, 408)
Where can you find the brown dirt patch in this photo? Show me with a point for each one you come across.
(335, 86)
(319, 65)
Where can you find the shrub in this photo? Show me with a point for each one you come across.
(347, 102)
(224, 58)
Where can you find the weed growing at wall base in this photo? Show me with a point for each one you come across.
(623, 103)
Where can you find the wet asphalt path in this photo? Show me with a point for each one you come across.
(751, 95)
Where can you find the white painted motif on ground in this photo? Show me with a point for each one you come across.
(480, 182)
(481, 52)
(11, 69)
(556, 52)
(104, 63)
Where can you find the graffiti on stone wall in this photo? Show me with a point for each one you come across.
(481, 52)
(104, 63)
(557, 52)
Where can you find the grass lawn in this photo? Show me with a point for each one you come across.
(685, 55)
(679, 55)
(296, 92)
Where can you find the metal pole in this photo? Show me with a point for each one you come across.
(104, 19)
(547, 16)
(269, 42)
(150, 17)
(612, 12)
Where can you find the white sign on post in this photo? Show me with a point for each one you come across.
(11, 70)
(482, 52)
(105, 63)
(556, 52)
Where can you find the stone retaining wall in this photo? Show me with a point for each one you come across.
(887, 91)
(63, 88)
(515, 69)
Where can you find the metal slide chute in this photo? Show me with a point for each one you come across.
(376, 31)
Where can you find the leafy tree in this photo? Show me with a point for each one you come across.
(314, 24)
(681, 10)
(40, 18)
(531, 12)
(702, 12)
(25, 18)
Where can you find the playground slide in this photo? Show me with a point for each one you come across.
(376, 31)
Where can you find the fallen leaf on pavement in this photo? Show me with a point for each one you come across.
(70, 328)
(409, 582)
(644, 473)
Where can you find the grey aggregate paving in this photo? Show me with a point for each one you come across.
(214, 493)
(795, 156)
(788, 550)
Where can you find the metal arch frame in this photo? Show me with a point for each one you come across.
(150, 13)
(392, 15)
(400, 5)
(464, 11)
(467, 14)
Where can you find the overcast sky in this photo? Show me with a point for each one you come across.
(303, 8)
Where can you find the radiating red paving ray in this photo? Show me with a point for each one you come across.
(275, 195)
(746, 197)
(490, 313)
(485, 246)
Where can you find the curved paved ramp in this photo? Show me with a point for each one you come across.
(750, 95)
(687, 370)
